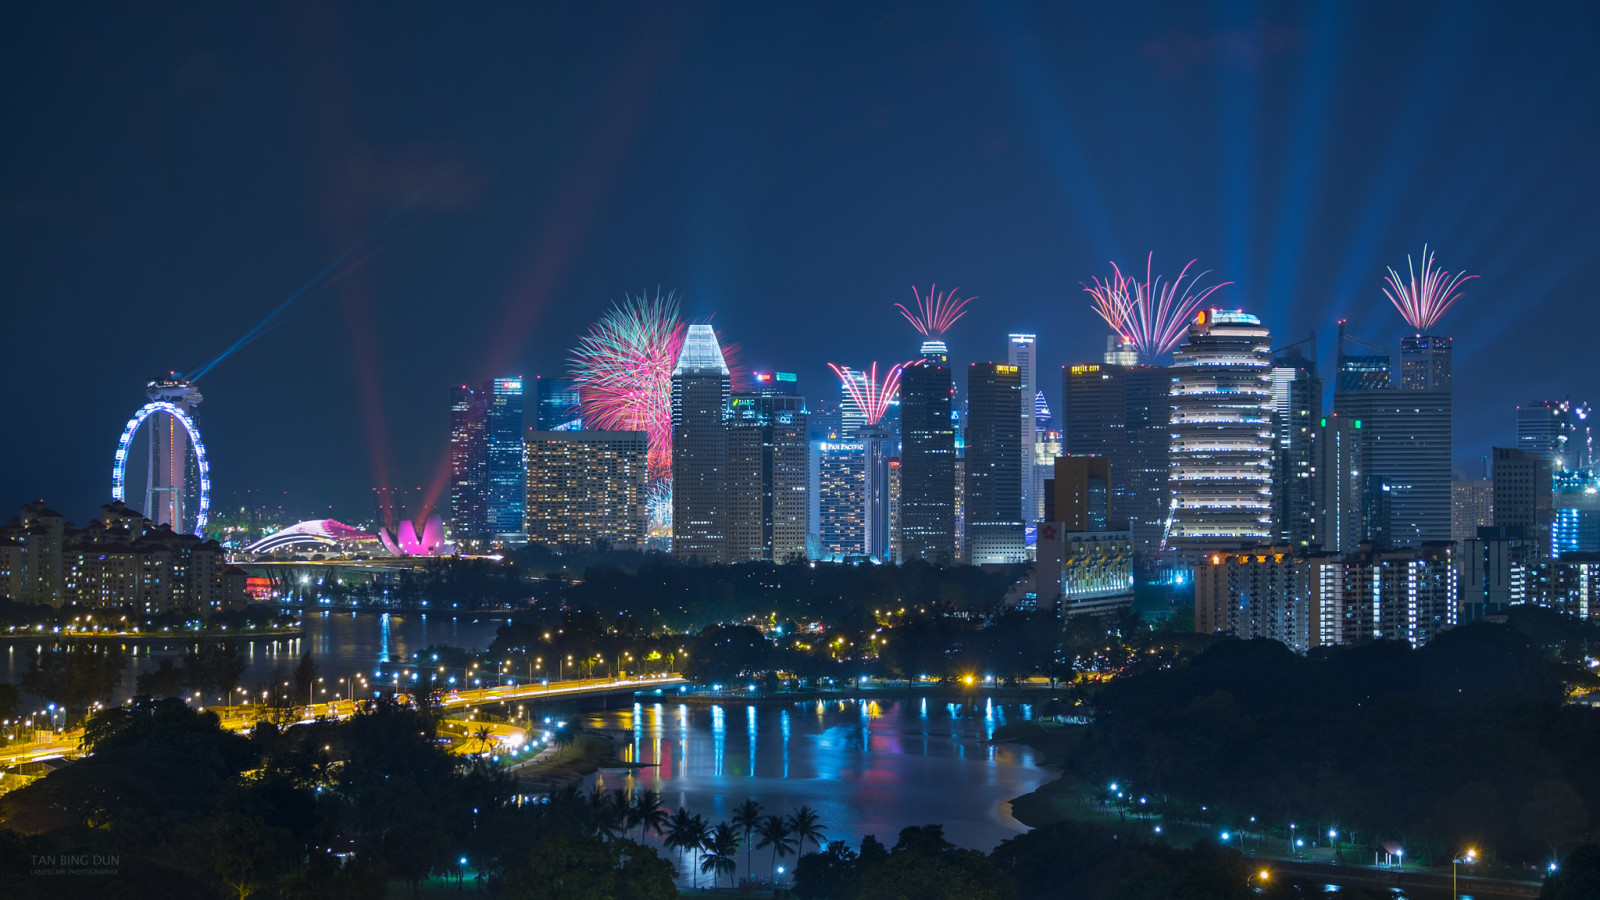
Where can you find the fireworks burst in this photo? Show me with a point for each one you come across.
(1113, 298)
(936, 312)
(1153, 314)
(623, 368)
(1424, 299)
(871, 398)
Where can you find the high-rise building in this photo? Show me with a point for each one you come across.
(1524, 492)
(1022, 352)
(1046, 448)
(1471, 507)
(556, 405)
(1558, 430)
(1407, 445)
(700, 394)
(1121, 412)
(1340, 489)
(1081, 493)
(1221, 435)
(1576, 528)
(505, 470)
(895, 553)
(1363, 365)
(927, 463)
(841, 498)
(1425, 363)
(993, 496)
(587, 488)
(1296, 414)
(768, 493)
(469, 463)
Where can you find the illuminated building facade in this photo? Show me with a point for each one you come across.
(1524, 491)
(769, 472)
(1296, 418)
(700, 395)
(1221, 431)
(1022, 352)
(841, 499)
(1576, 525)
(1122, 412)
(586, 488)
(1345, 506)
(927, 463)
(1558, 430)
(469, 519)
(556, 405)
(1471, 507)
(505, 473)
(993, 476)
(1425, 363)
(1082, 566)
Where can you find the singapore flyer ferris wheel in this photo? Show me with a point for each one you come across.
(178, 483)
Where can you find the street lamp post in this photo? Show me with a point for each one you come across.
(1470, 856)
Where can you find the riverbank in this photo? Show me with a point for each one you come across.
(62, 637)
(1057, 800)
(588, 753)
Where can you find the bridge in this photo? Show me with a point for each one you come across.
(240, 719)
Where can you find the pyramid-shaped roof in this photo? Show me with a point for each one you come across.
(701, 352)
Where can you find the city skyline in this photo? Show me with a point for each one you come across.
(459, 273)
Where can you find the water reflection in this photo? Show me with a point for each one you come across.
(867, 767)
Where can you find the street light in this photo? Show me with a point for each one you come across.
(1470, 856)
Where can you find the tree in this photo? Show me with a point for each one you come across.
(648, 812)
(806, 825)
(305, 679)
(566, 866)
(166, 680)
(75, 677)
(685, 833)
(775, 833)
(1577, 877)
(746, 816)
(825, 874)
(485, 737)
(721, 853)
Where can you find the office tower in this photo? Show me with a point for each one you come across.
(469, 463)
(700, 388)
(1083, 566)
(1471, 507)
(895, 552)
(1523, 492)
(1022, 353)
(852, 418)
(1496, 568)
(959, 549)
(1046, 447)
(587, 488)
(768, 472)
(927, 463)
(1425, 363)
(1081, 493)
(505, 472)
(1122, 413)
(556, 405)
(1363, 365)
(1576, 528)
(1120, 352)
(1296, 414)
(1344, 504)
(1558, 430)
(841, 499)
(993, 496)
(1221, 435)
(1407, 443)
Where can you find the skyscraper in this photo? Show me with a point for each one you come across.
(700, 389)
(586, 488)
(768, 472)
(1121, 412)
(1340, 488)
(1407, 442)
(1021, 352)
(927, 462)
(505, 471)
(1296, 414)
(994, 463)
(468, 465)
(1524, 493)
(1558, 430)
(1221, 435)
(841, 499)
(556, 405)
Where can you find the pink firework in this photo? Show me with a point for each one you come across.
(1161, 310)
(1113, 299)
(871, 398)
(1424, 299)
(623, 368)
(936, 312)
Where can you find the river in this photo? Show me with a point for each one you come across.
(866, 766)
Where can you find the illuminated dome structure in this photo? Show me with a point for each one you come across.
(312, 534)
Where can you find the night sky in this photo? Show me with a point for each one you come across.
(171, 173)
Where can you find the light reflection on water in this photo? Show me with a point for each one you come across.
(869, 767)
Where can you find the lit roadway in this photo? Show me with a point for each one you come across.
(244, 718)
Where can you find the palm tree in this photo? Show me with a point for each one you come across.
(774, 833)
(807, 826)
(747, 816)
(722, 853)
(484, 736)
(608, 820)
(686, 834)
(648, 812)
